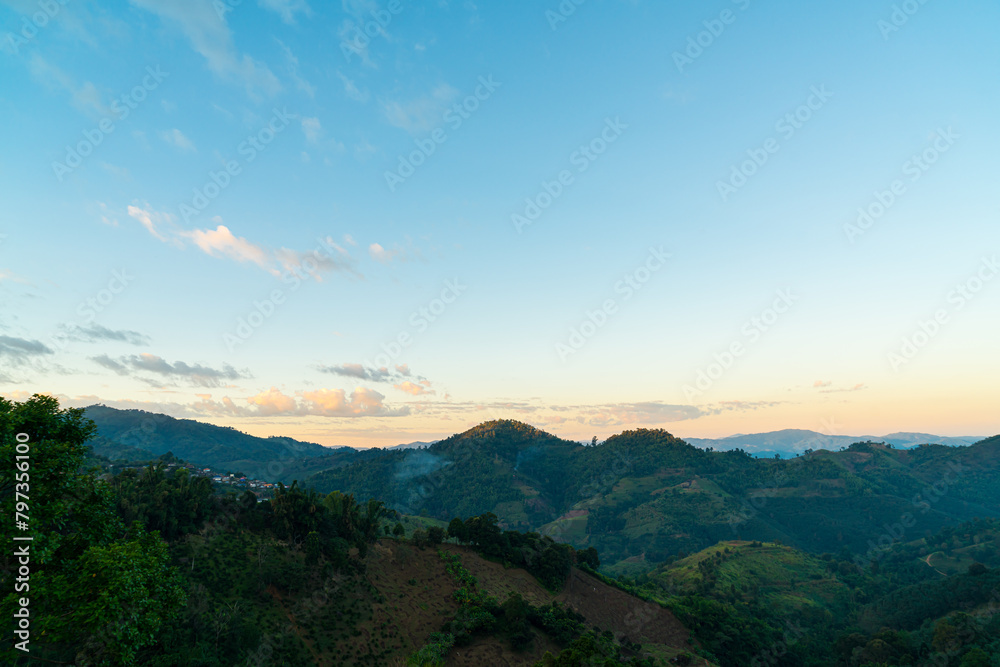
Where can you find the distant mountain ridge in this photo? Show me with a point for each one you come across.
(217, 447)
(413, 445)
(788, 442)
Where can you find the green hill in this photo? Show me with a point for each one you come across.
(131, 433)
(644, 495)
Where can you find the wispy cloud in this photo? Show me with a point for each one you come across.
(313, 129)
(210, 37)
(19, 350)
(177, 139)
(327, 256)
(360, 372)
(292, 65)
(422, 113)
(287, 9)
(380, 254)
(858, 387)
(351, 89)
(150, 219)
(84, 96)
(95, 333)
(194, 374)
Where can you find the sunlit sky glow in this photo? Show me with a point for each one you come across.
(235, 211)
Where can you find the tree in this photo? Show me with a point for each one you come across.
(312, 548)
(976, 657)
(458, 530)
(977, 569)
(435, 535)
(99, 592)
(589, 557)
(398, 530)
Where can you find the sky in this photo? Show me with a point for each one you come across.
(367, 222)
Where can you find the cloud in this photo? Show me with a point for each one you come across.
(195, 374)
(858, 387)
(151, 219)
(360, 372)
(206, 29)
(221, 242)
(273, 402)
(415, 389)
(286, 9)
(95, 333)
(327, 256)
(821, 383)
(292, 65)
(332, 258)
(335, 403)
(421, 114)
(380, 254)
(120, 172)
(8, 275)
(738, 406)
(177, 139)
(351, 89)
(313, 129)
(84, 97)
(651, 412)
(352, 38)
(18, 351)
(361, 402)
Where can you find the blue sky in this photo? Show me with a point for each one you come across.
(697, 171)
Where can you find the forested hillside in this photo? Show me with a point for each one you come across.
(128, 434)
(643, 496)
(155, 566)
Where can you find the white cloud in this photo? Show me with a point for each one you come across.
(206, 29)
(292, 64)
(313, 129)
(150, 219)
(327, 256)
(222, 242)
(84, 97)
(384, 256)
(286, 9)
(351, 89)
(421, 114)
(177, 139)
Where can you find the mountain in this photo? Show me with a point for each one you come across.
(643, 496)
(873, 565)
(413, 445)
(129, 433)
(789, 442)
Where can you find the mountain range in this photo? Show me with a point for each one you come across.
(789, 442)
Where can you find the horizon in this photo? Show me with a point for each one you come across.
(741, 219)
(554, 432)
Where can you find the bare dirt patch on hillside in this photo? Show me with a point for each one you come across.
(611, 609)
